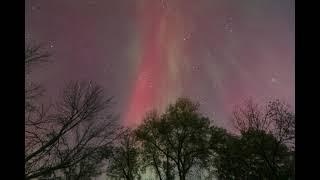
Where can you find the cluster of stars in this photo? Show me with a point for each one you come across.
(187, 36)
(228, 26)
(195, 67)
(219, 46)
(51, 44)
(150, 84)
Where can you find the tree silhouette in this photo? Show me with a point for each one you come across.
(34, 55)
(125, 157)
(67, 134)
(265, 148)
(179, 134)
(276, 118)
(85, 169)
(152, 156)
(73, 137)
(220, 162)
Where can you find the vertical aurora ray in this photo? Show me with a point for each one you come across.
(143, 92)
(146, 53)
(210, 51)
(158, 80)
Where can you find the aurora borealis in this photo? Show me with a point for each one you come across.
(147, 53)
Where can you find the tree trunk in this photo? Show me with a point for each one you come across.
(184, 174)
(156, 167)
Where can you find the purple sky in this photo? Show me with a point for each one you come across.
(217, 52)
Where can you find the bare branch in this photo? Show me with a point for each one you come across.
(81, 125)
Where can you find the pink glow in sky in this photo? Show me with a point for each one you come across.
(147, 53)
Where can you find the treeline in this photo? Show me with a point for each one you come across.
(79, 137)
(181, 140)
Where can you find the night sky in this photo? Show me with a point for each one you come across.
(147, 53)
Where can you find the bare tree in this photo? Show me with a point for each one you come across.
(267, 135)
(276, 118)
(283, 121)
(66, 134)
(250, 116)
(34, 55)
(77, 129)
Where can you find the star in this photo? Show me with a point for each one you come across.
(33, 8)
(51, 44)
(274, 80)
